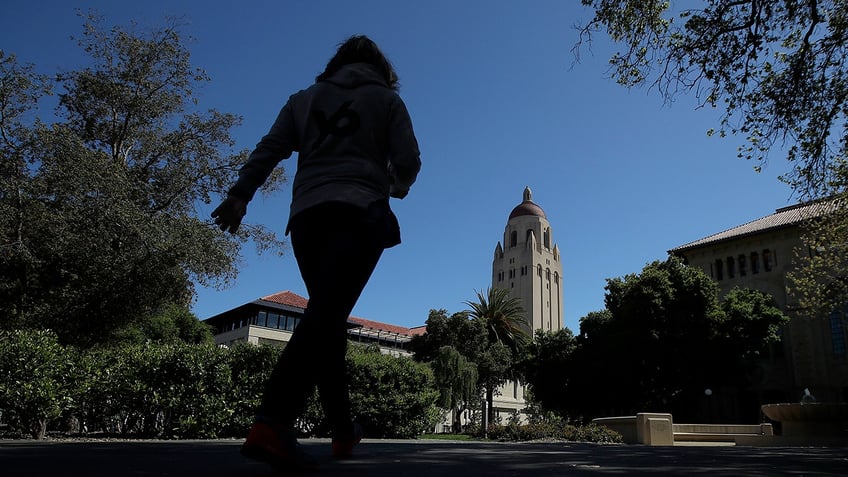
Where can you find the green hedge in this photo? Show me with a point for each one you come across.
(557, 431)
(186, 391)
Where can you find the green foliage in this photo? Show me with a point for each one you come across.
(99, 222)
(178, 390)
(547, 367)
(490, 336)
(35, 384)
(553, 431)
(391, 396)
(664, 338)
(457, 378)
(171, 391)
(820, 281)
(250, 368)
(174, 324)
(503, 316)
(751, 322)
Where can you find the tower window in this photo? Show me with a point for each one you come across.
(513, 238)
(548, 237)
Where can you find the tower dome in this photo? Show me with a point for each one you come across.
(527, 207)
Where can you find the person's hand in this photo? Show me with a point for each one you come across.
(228, 215)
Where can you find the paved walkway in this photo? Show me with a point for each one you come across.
(417, 458)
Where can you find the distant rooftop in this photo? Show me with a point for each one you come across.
(782, 218)
(291, 299)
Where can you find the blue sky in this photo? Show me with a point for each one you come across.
(497, 103)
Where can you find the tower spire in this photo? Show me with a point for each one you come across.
(528, 194)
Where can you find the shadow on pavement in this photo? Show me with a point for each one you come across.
(377, 458)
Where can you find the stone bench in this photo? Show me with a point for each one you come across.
(658, 429)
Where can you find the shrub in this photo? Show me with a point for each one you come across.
(34, 384)
(553, 430)
(391, 396)
(250, 366)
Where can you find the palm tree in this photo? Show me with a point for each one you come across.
(504, 319)
(503, 315)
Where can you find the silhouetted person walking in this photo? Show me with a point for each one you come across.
(356, 148)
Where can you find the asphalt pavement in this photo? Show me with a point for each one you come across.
(417, 458)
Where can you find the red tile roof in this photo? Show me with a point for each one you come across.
(286, 298)
(376, 325)
(295, 300)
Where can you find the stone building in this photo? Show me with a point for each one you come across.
(528, 265)
(758, 255)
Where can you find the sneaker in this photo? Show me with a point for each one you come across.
(343, 446)
(278, 449)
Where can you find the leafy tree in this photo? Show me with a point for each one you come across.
(664, 338)
(100, 226)
(668, 311)
(548, 366)
(174, 324)
(457, 381)
(490, 335)
(457, 331)
(466, 337)
(776, 68)
(820, 281)
(751, 322)
(34, 380)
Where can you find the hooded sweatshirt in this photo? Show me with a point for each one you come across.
(354, 139)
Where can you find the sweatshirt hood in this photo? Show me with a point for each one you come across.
(355, 75)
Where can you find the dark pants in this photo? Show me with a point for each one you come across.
(337, 247)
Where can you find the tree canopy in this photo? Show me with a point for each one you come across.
(99, 202)
(465, 345)
(664, 337)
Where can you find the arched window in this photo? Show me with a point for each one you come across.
(539, 270)
(527, 235)
(767, 260)
(547, 237)
(513, 239)
(719, 269)
(755, 263)
(556, 277)
(548, 274)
